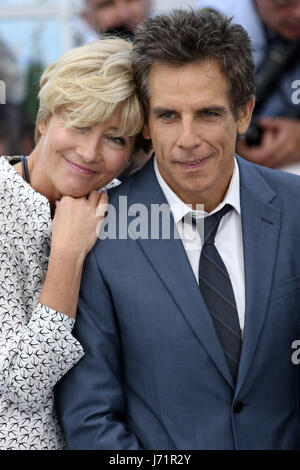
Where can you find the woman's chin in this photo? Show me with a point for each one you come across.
(75, 192)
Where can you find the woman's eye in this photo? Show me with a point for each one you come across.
(117, 140)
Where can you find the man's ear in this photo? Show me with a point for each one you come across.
(146, 131)
(245, 115)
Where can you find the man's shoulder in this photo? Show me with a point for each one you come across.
(286, 186)
(136, 180)
(124, 199)
(281, 180)
(123, 189)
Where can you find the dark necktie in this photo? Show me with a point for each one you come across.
(216, 289)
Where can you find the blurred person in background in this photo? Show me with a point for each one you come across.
(10, 74)
(111, 16)
(121, 18)
(14, 124)
(274, 27)
(4, 131)
(86, 129)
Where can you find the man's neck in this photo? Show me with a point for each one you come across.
(209, 198)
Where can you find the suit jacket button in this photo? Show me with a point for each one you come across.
(238, 406)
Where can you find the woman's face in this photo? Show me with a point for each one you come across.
(79, 160)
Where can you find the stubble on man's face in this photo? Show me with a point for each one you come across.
(193, 130)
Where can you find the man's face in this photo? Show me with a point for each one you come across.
(281, 16)
(193, 130)
(106, 15)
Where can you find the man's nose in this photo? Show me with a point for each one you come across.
(189, 137)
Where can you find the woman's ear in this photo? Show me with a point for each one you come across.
(43, 125)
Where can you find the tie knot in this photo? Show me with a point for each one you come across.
(211, 224)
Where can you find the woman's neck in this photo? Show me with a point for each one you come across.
(39, 179)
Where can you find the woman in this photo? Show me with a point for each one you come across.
(88, 118)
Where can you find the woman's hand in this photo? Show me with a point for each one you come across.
(77, 223)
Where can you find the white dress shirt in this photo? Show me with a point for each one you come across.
(228, 240)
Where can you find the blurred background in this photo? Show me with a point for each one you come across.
(34, 33)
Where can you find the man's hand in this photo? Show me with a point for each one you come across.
(280, 144)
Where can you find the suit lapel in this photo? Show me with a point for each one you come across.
(261, 227)
(168, 258)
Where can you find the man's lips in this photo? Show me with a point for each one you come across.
(80, 169)
(196, 163)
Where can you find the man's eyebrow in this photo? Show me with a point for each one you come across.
(212, 109)
(159, 110)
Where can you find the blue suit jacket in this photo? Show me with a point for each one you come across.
(154, 375)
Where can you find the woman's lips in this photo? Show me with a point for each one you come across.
(80, 169)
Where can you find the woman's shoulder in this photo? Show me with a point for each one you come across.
(11, 159)
(8, 172)
(21, 207)
(7, 162)
(15, 188)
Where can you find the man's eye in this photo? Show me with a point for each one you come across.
(167, 116)
(209, 114)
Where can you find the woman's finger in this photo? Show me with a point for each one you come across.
(94, 197)
(102, 204)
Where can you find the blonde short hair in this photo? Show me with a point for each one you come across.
(88, 84)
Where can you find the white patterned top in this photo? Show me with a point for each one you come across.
(36, 344)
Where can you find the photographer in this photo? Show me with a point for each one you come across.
(115, 16)
(274, 28)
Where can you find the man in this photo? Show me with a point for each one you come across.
(115, 15)
(188, 342)
(273, 25)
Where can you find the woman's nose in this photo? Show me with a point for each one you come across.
(90, 148)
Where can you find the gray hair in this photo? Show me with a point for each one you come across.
(183, 37)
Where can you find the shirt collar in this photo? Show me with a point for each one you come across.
(179, 209)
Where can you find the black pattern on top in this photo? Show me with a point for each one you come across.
(36, 344)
